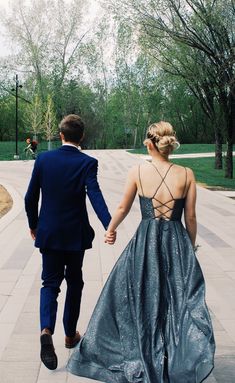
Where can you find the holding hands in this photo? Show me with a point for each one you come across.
(33, 233)
(110, 237)
(123, 208)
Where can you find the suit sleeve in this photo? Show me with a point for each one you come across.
(32, 197)
(95, 195)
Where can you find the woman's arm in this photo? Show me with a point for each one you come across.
(190, 208)
(123, 207)
(95, 195)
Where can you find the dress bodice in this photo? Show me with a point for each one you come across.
(147, 209)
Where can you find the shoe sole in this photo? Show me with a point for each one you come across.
(48, 355)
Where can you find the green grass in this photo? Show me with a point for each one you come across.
(8, 149)
(205, 172)
(185, 149)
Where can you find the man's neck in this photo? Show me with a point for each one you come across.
(70, 143)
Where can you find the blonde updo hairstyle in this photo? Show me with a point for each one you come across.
(162, 135)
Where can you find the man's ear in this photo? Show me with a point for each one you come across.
(82, 138)
(62, 136)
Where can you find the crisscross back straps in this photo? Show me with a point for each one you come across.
(162, 179)
(167, 204)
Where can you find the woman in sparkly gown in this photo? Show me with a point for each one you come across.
(151, 323)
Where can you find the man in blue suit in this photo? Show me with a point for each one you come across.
(61, 229)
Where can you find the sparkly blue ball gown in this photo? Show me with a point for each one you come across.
(151, 323)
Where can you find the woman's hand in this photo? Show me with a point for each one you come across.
(110, 237)
(33, 233)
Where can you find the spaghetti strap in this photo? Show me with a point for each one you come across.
(141, 183)
(162, 177)
(183, 195)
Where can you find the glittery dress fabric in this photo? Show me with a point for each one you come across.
(151, 323)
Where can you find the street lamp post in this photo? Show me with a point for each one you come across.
(16, 156)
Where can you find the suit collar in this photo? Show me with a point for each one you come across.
(70, 144)
(69, 148)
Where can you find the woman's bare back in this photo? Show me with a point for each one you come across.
(164, 183)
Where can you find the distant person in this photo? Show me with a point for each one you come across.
(151, 323)
(61, 230)
(31, 147)
(34, 146)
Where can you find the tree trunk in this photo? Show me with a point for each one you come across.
(49, 145)
(229, 160)
(230, 137)
(135, 137)
(137, 126)
(218, 150)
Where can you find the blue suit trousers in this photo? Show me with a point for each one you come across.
(57, 266)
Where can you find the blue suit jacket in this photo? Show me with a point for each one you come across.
(64, 176)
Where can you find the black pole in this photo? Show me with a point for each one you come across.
(17, 86)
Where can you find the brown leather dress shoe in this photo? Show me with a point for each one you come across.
(72, 341)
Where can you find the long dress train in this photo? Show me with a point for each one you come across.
(151, 323)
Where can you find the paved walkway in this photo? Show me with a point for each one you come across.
(20, 273)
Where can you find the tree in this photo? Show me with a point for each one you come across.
(33, 117)
(182, 108)
(48, 35)
(203, 29)
(49, 126)
(95, 58)
(7, 123)
(137, 83)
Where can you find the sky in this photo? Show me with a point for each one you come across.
(5, 48)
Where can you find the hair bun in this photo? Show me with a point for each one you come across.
(163, 136)
(166, 141)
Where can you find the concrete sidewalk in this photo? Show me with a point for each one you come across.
(20, 273)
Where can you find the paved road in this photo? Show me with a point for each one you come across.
(20, 273)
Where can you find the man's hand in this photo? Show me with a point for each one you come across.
(110, 237)
(33, 233)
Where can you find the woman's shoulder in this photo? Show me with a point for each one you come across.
(133, 171)
(138, 168)
(190, 173)
(184, 169)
